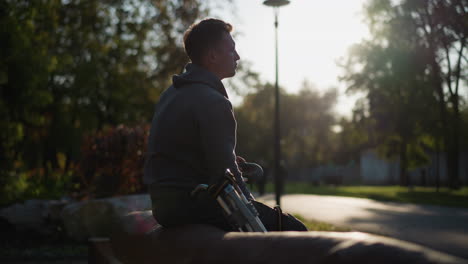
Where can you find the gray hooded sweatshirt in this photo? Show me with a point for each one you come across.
(193, 133)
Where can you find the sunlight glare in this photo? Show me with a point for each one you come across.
(313, 35)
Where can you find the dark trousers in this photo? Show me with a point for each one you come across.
(174, 207)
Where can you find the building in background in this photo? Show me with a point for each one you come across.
(373, 169)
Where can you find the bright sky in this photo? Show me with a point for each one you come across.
(312, 36)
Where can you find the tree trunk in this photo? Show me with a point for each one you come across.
(455, 151)
(438, 164)
(438, 85)
(403, 163)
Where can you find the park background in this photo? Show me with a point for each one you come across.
(79, 81)
(373, 98)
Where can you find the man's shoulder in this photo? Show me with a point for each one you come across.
(204, 94)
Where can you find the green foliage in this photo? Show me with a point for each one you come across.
(72, 67)
(353, 138)
(306, 121)
(112, 161)
(36, 184)
(411, 70)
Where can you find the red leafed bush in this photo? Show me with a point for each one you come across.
(112, 161)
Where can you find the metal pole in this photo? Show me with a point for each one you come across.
(278, 176)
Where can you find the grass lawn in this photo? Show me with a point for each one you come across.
(417, 194)
(313, 225)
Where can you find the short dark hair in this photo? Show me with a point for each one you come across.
(203, 36)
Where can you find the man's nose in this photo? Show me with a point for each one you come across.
(237, 56)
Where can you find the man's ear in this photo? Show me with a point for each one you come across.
(211, 55)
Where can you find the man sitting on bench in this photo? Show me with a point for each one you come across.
(193, 137)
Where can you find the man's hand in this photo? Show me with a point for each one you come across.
(240, 161)
(251, 171)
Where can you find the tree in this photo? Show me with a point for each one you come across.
(403, 69)
(306, 121)
(443, 27)
(354, 136)
(307, 126)
(70, 67)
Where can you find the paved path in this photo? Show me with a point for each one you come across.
(440, 228)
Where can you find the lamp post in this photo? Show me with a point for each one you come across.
(278, 177)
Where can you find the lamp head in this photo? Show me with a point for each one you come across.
(276, 3)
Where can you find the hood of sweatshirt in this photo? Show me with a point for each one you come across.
(195, 74)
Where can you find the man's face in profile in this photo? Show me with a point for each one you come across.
(226, 57)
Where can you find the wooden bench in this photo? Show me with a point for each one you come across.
(131, 243)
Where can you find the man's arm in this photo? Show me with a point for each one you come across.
(218, 140)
